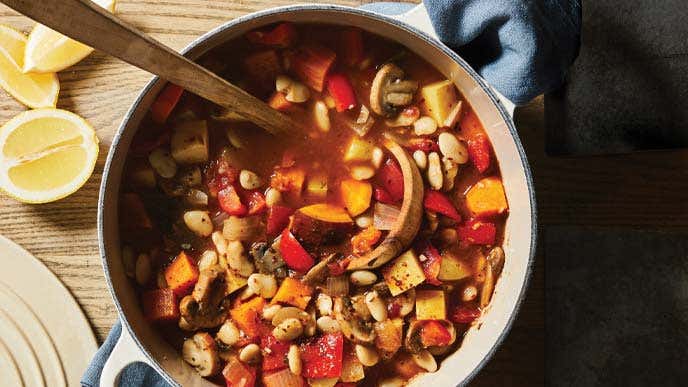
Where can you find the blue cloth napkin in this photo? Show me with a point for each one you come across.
(523, 48)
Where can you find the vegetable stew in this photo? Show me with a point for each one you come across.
(239, 242)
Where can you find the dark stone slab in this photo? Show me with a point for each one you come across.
(616, 307)
(628, 89)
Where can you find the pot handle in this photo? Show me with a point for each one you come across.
(419, 18)
(124, 353)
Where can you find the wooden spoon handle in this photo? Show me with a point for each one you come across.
(84, 21)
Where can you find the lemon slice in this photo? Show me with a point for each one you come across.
(46, 154)
(33, 90)
(49, 51)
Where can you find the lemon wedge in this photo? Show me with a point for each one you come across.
(33, 90)
(48, 51)
(46, 154)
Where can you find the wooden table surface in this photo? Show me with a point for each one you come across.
(640, 190)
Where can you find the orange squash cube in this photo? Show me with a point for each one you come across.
(293, 292)
(247, 316)
(487, 198)
(181, 275)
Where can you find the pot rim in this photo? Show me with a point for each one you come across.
(376, 17)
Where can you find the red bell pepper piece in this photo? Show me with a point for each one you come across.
(477, 232)
(434, 334)
(256, 202)
(294, 255)
(165, 103)
(341, 91)
(283, 35)
(220, 175)
(392, 180)
(278, 219)
(351, 46)
(382, 196)
(311, 64)
(432, 262)
(394, 309)
(464, 314)
(230, 202)
(426, 145)
(438, 202)
(238, 374)
(275, 357)
(479, 152)
(160, 305)
(322, 356)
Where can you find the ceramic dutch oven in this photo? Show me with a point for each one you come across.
(140, 342)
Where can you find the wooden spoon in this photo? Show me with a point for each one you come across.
(84, 21)
(408, 224)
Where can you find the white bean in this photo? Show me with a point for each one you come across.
(328, 325)
(378, 156)
(294, 359)
(283, 83)
(272, 197)
(298, 93)
(250, 354)
(143, 269)
(220, 242)
(270, 310)
(163, 163)
(367, 356)
(208, 259)
(434, 171)
(425, 360)
(364, 221)
(450, 169)
(229, 333)
(452, 148)
(424, 126)
(288, 329)
(421, 159)
(324, 304)
(249, 179)
(322, 116)
(362, 278)
(237, 260)
(199, 222)
(376, 305)
(263, 285)
(362, 172)
(469, 293)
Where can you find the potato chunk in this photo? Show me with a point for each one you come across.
(430, 305)
(452, 268)
(439, 99)
(189, 143)
(403, 273)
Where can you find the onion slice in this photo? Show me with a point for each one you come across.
(385, 216)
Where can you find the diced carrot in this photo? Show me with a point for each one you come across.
(165, 103)
(247, 316)
(487, 198)
(351, 46)
(160, 305)
(356, 195)
(434, 334)
(311, 64)
(364, 241)
(288, 180)
(283, 35)
(181, 275)
(278, 101)
(340, 89)
(264, 67)
(293, 292)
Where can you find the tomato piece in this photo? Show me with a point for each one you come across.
(341, 91)
(464, 314)
(322, 356)
(431, 264)
(426, 145)
(339, 267)
(278, 219)
(238, 374)
(230, 202)
(311, 64)
(294, 255)
(477, 232)
(256, 203)
(220, 175)
(351, 46)
(434, 333)
(479, 152)
(163, 105)
(392, 180)
(438, 202)
(283, 35)
(394, 309)
(275, 357)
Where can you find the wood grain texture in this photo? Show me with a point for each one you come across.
(639, 190)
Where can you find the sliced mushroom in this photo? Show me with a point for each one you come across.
(363, 123)
(353, 326)
(494, 263)
(318, 272)
(206, 306)
(201, 352)
(268, 259)
(413, 340)
(390, 91)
